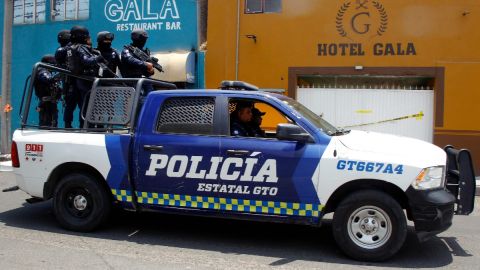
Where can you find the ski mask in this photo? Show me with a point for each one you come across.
(104, 40)
(139, 38)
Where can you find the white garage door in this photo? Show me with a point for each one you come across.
(401, 112)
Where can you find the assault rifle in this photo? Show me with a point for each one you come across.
(103, 66)
(139, 54)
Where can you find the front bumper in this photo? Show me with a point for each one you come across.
(431, 210)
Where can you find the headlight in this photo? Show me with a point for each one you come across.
(428, 178)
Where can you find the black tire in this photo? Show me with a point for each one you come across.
(81, 203)
(369, 225)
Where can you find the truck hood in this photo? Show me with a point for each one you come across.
(387, 144)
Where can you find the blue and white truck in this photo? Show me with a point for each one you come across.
(175, 154)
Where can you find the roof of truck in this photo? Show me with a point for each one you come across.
(217, 92)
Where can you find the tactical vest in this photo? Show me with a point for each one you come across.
(73, 61)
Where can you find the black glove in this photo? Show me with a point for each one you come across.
(100, 59)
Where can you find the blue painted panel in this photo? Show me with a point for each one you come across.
(294, 165)
(118, 176)
(172, 25)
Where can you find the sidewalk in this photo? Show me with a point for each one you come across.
(6, 171)
(478, 186)
(6, 166)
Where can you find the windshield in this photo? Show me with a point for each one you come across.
(316, 120)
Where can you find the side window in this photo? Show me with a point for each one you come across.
(28, 11)
(253, 118)
(68, 10)
(191, 115)
(263, 6)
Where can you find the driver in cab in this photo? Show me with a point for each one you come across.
(240, 120)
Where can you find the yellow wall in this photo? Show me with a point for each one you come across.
(444, 33)
(462, 95)
(438, 29)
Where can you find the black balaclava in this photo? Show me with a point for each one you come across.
(104, 40)
(79, 34)
(63, 37)
(139, 38)
(48, 59)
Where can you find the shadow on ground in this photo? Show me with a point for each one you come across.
(288, 242)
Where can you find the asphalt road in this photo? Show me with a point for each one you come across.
(30, 238)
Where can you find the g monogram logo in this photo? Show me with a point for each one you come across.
(361, 15)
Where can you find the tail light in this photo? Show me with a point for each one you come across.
(14, 155)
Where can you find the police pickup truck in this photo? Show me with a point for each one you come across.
(175, 153)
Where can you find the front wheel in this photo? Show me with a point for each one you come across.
(369, 225)
(81, 203)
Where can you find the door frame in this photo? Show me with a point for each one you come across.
(435, 72)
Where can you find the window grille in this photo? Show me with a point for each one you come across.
(187, 116)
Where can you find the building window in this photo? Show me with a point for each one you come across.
(28, 11)
(68, 10)
(263, 6)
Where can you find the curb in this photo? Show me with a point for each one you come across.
(5, 166)
(477, 192)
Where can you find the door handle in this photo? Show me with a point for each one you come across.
(153, 147)
(238, 152)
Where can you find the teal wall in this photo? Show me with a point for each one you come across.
(1, 36)
(201, 69)
(32, 41)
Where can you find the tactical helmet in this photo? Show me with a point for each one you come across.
(48, 59)
(139, 35)
(79, 34)
(105, 35)
(63, 37)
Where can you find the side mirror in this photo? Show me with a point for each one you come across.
(291, 132)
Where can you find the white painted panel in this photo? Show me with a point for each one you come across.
(357, 107)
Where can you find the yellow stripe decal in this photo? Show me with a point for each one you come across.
(224, 204)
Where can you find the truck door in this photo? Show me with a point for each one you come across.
(175, 149)
(265, 175)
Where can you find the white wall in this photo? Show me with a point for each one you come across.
(352, 107)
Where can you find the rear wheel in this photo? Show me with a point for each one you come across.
(369, 225)
(81, 203)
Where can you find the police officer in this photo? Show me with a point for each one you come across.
(63, 39)
(81, 60)
(69, 96)
(48, 91)
(256, 122)
(240, 120)
(112, 57)
(132, 67)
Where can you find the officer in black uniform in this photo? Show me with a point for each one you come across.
(63, 39)
(81, 60)
(240, 120)
(48, 91)
(69, 96)
(132, 67)
(112, 57)
(256, 122)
